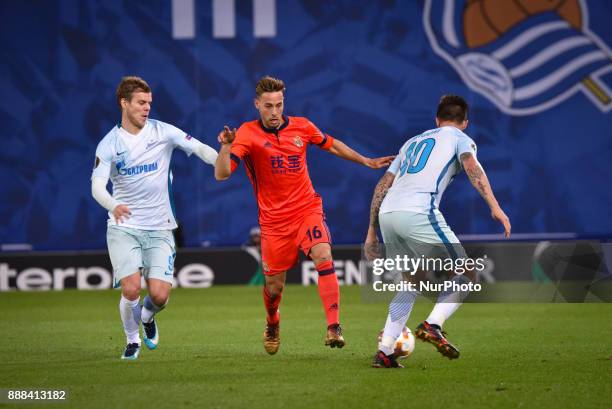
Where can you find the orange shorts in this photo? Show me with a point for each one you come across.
(280, 246)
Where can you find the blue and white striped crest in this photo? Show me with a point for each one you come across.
(535, 65)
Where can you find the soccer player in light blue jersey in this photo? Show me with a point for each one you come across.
(405, 207)
(136, 155)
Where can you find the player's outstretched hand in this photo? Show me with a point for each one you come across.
(499, 215)
(120, 212)
(226, 136)
(377, 163)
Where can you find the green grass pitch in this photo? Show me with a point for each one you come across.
(211, 355)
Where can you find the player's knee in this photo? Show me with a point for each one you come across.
(160, 299)
(275, 289)
(130, 291)
(321, 255)
(130, 286)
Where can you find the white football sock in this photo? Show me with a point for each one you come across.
(130, 317)
(399, 311)
(441, 312)
(447, 303)
(149, 309)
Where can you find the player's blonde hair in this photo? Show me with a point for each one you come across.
(128, 86)
(269, 84)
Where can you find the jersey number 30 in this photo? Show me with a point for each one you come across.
(417, 156)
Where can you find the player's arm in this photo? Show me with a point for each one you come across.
(204, 152)
(223, 164)
(99, 192)
(380, 191)
(342, 150)
(99, 180)
(479, 180)
(182, 140)
(371, 245)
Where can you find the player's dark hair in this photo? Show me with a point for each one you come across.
(269, 84)
(128, 86)
(452, 108)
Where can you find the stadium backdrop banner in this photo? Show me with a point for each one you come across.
(538, 80)
(536, 262)
(203, 268)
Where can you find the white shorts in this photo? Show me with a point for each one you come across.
(150, 252)
(416, 234)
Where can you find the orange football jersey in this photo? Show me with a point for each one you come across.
(275, 161)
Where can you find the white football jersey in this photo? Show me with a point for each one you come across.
(424, 167)
(138, 167)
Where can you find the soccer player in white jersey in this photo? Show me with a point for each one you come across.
(136, 155)
(405, 207)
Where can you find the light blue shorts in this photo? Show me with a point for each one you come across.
(150, 252)
(416, 234)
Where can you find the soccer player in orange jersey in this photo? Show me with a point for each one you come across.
(291, 217)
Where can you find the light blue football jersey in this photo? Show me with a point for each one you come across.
(424, 167)
(139, 169)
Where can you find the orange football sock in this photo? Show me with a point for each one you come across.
(271, 304)
(329, 291)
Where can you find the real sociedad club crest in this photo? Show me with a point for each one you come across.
(525, 56)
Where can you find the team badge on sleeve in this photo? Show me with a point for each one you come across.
(188, 137)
